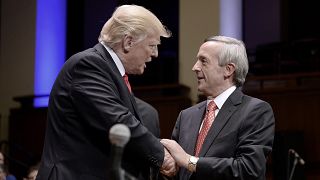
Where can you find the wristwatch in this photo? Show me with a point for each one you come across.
(192, 163)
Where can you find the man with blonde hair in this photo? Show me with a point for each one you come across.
(91, 94)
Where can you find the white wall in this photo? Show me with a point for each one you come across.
(198, 20)
(16, 55)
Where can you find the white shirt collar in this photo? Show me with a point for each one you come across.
(115, 58)
(221, 99)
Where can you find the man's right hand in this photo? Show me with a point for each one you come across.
(169, 167)
(176, 152)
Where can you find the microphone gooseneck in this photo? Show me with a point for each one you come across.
(297, 159)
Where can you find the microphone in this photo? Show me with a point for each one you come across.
(119, 136)
(296, 155)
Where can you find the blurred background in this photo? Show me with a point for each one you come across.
(283, 45)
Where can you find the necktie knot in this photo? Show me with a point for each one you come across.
(212, 106)
(126, 80)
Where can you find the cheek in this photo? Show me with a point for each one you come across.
(210, 75)
(207, 73)
(144, 56)
(147, 51)
(141, 53)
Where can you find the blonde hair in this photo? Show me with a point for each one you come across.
(132, 20)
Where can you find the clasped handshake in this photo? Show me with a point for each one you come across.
(174, 158)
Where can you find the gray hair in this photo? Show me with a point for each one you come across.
(132, 20)
(233, 51)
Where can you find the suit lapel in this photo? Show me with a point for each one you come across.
(226, 111)
(128, 96)
(135, 107)
(195, 124)
(196, 118)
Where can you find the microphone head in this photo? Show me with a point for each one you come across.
(292, 151)
(296, 155)
(119, 135)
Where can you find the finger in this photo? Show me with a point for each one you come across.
(169, 173)
(165, 141)
(168, 165)
(167, 145)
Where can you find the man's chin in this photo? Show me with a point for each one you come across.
(140, 72)
(202, 91)
(200, 88)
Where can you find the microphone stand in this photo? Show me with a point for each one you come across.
(121, 174)
(119, 135)
(295, 162)
(128, 176)
(297, 159)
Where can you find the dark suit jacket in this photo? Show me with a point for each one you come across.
(149, 117)
(238, 143)
(87, 98)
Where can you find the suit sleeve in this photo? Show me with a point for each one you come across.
(255, 138)
(150, 117)
(95, 93)
(176, 129)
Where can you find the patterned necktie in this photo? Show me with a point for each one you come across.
(126, 80)
(207, 122)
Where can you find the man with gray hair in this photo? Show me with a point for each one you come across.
(229, 135)
(92, 93)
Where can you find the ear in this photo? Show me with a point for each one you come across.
(229, 69)
(127, 43)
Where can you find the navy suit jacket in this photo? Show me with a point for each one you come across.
(237, 144)
(87, 98)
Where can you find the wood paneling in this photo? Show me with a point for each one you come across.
(295, 100)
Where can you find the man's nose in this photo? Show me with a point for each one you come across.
(155, 52)
(196, 67)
